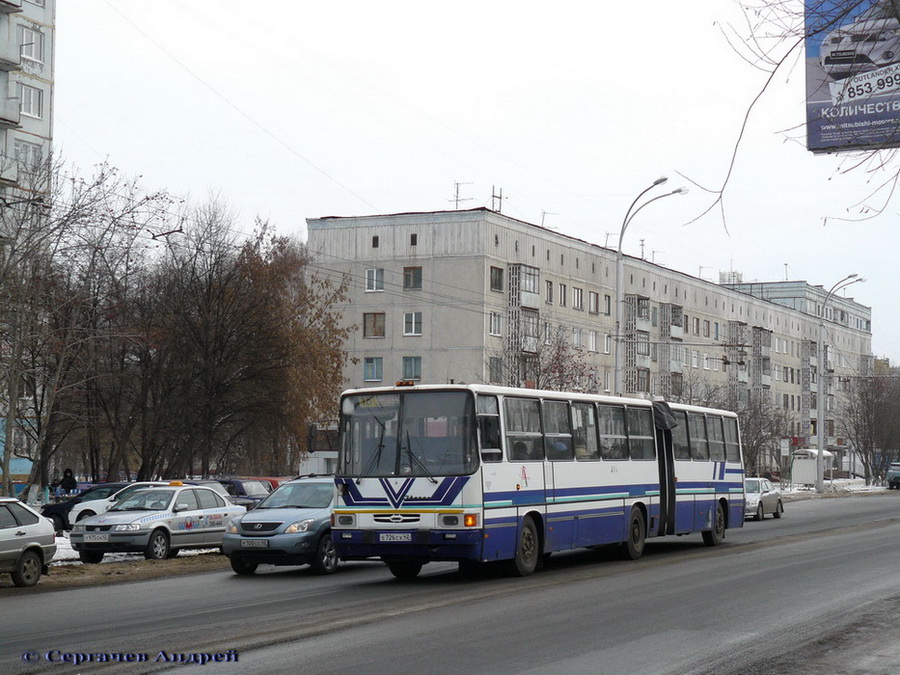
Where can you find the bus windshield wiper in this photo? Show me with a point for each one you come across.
(375, 460)
(414, 459)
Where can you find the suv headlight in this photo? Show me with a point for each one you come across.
(232, 527)
(300, 526)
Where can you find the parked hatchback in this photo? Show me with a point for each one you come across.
(761, 497)
(292, 526)
(27, 542)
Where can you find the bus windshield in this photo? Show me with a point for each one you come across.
(416, 433)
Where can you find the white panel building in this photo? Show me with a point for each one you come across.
(475, 296)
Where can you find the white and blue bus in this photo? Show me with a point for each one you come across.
(476, 473)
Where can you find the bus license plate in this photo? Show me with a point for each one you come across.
(254, 543)
(395, 536)
(89, 537)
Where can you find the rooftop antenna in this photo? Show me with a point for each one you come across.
(642, 249)
(496, 199)
(456, 198)
(785, 272)
(548, 213)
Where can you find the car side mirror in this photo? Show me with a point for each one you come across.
(182, 507)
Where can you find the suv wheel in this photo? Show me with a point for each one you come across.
(240, 566)
(326, 560)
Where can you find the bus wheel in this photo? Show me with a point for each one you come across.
(716, 535)
(528, 550)
(633, 547)
(404, 570)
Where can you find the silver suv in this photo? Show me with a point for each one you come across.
(868, 42)
(27, 542)
(291, 526)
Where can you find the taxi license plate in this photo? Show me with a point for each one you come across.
(254, 543)
(395, 536)
(95, 537)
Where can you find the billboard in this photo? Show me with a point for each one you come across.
(852, 74)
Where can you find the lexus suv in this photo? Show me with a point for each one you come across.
(291, 526)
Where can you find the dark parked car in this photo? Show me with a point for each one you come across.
(58, 513)
(248, 488)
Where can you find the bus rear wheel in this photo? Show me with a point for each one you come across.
(633, 548)
(528, 550)
(404, 570)
(716, 535)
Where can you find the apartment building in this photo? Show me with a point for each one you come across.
(476, 296)
(26, 88)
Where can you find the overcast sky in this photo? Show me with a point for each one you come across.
(291, 110)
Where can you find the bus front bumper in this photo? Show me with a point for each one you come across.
(423, 545)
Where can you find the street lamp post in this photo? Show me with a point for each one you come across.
(821, 437)
(620, 272)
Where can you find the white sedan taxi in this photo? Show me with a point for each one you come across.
(157, 522)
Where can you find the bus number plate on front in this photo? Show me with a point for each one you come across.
(395, 536)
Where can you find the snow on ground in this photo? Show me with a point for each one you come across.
(66, 555)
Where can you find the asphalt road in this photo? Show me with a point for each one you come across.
(815, 592)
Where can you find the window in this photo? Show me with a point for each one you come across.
(31, 101)
(578, 298)
(374, 280)
(548, 292)
(372, 369)
(705, 328)
(531, 277)
(375, 241)
(412, 367)
(593, 340)
(39, 3)
(496, 278)
(413, 239)
(31, 44)
(496, 327)
(412, 278)
(562, 295)
(607, 344)
(373, 325)
(412, 323)
(607, 305)
(697, 431)
(27, 154)
(593, 302)
(495, 370)
(642, 343)
(576, 338)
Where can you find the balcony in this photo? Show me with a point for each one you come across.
(9, 56)
(643, 324)
(9, 113)
(10, 6)
(765, 380)
(643, 361)
(9, 173)
(676, 332)
(530, 300)
(676, 366)
(743, 376)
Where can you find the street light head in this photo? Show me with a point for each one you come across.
(680, 191)
(660, 180)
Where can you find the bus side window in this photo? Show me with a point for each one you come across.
(697, 428)
(613, 441)
(732, 443)
(557, 431)
(640, 433)
(680, 445)
(584, 432)
(489, 432)
(716, 438)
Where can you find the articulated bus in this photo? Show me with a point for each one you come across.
(477, 473)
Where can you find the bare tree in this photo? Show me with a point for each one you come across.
(869, 421)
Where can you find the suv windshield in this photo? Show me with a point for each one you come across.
(416, 433)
